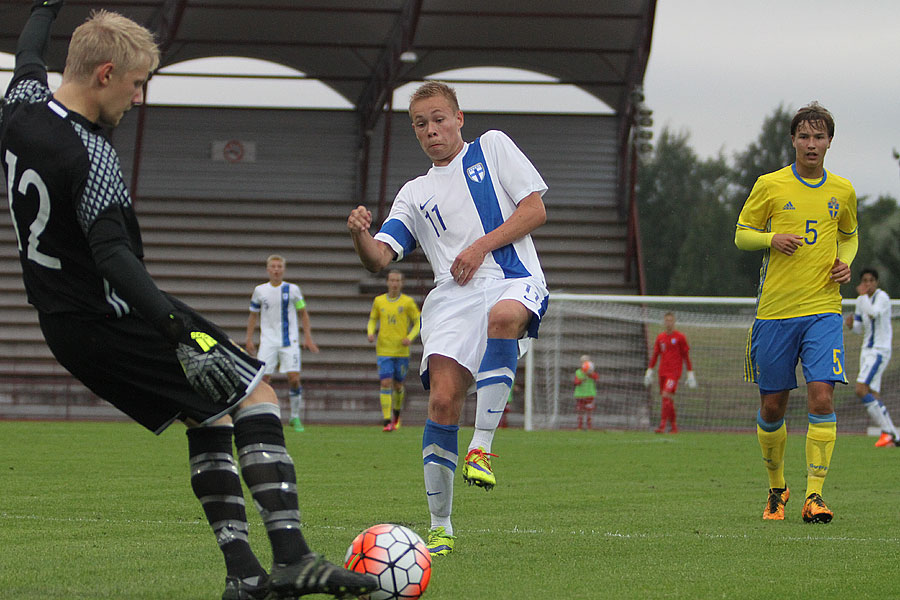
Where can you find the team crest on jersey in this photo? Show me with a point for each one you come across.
(476, 172)
(833, 207)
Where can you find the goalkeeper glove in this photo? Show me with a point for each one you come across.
(648, 377)
(209, 369)
(691, 380)
(54, 5)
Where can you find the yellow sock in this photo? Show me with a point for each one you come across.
(773, 444)
(386, 403)
(820, 439)
(398, 398)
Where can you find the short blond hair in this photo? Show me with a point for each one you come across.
(108, 37)
(430, 89)
(275, 257)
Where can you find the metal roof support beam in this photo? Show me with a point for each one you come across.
(385, 75)
(165, 23)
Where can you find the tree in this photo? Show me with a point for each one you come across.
(771, 151)
(666, 195)
(707, 255)
(879, 226)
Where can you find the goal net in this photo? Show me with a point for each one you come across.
(618, 333)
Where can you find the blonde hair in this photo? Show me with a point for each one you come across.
(431, 89)
(108, 37)
(275, 257)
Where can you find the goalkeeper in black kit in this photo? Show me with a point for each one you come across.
(104, 319)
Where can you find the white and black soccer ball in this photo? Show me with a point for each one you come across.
(396, 556)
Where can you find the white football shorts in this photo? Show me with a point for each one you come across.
(286, 358)
(872, 364)
(455, 318)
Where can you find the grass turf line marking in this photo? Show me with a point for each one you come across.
(513, 531)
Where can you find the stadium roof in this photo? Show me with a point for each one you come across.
(365, 48)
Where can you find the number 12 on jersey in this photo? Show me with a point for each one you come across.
(30, 178)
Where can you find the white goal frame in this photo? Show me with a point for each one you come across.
(743, 305)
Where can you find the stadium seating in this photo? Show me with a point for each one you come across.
(211, 252)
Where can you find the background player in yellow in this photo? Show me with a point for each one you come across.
(808, 216)
(397, 318)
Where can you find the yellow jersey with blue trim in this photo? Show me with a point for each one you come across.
(823, 212)
(396, 318)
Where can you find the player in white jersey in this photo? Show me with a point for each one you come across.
(275, 305)
(472, 214)
(872, 318)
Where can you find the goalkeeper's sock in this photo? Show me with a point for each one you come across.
(663, 413)
(215, 481)
(820, 437)
(772, 441)
(672, 424)
(268, 471)
(668, 409)
(385, 398)
(295, 395)
(440, 454)
(493, 381)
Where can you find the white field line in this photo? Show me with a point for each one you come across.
(514, 531)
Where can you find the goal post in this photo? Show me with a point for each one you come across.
(618, 332)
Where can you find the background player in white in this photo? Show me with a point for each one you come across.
(472, 214)
(275, 306)
(872, 318)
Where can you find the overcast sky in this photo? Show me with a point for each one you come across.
(718, 68)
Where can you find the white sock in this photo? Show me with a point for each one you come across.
(494, 380)
(296, 398)
(440, 456)
(888, 422)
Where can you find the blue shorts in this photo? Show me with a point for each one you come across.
(775, 346)
(393, 367)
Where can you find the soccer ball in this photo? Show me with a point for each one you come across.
(396, 556)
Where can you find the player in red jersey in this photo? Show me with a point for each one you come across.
(671, 347)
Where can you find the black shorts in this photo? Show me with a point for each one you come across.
(128, 363)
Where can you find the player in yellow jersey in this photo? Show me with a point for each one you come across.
(804, 218)
(397, 318)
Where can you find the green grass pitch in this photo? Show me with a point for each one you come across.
(105, 510)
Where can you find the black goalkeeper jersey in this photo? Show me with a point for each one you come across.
(62, 173)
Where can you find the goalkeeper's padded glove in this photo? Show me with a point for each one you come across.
(648, 377)
(54, 5)
(691, 380)
(209, 369)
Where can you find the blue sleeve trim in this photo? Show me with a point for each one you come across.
(753, 228)
(399, 232)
